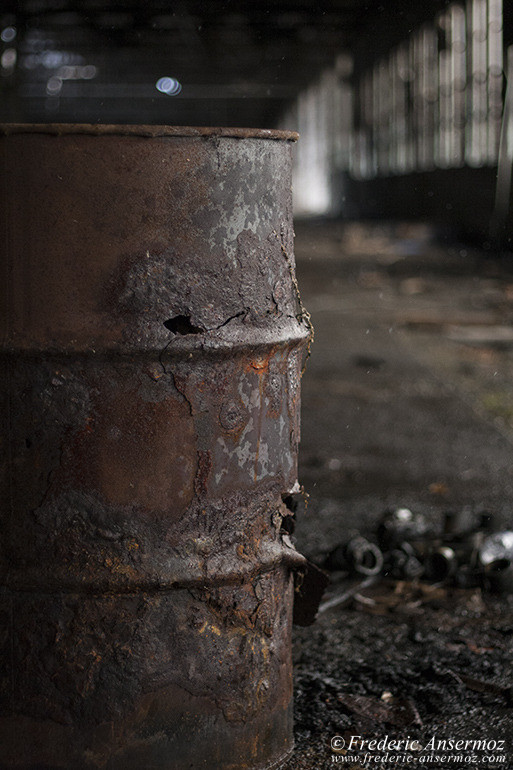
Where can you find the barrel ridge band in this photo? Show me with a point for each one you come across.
(205, 345)
(273, 556)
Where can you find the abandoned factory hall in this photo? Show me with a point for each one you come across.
(256, 438)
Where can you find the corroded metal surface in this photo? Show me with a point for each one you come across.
(151, 350)
(92, 129)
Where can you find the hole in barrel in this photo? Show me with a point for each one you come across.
(288, 522)
(181, 324)
(290, 502)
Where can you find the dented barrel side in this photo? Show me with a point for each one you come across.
(151, 350)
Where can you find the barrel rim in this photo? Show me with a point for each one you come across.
(145, 131)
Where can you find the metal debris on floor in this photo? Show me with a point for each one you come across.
(419, 564)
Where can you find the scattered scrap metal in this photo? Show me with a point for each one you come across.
(467, 553)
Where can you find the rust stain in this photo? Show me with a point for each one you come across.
(204, 467)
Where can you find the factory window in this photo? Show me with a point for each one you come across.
(433, 101)
(436, 100)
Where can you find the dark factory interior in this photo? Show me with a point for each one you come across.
(401, 189)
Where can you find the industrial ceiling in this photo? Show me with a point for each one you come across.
(185, 62)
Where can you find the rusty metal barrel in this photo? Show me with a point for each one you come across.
(152, 342)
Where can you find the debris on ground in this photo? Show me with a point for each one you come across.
(396, 413)
(466, 553)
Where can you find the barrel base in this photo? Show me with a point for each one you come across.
(178, 748)
(180, 680)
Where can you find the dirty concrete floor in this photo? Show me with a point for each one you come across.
(407, 401)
